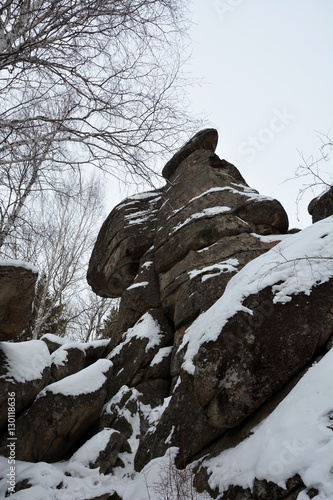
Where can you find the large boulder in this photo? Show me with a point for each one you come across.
(125, 236)
(24, 372)
(17, 291)
(245, 352)
(321, 206)
(61, 415)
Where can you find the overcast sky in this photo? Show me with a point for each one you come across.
(268, 80)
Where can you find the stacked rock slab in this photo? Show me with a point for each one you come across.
(204, 233)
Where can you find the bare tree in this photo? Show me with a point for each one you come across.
(315, 171)
(95, 77)
(81, 84)
(59, 242)
(92, 311)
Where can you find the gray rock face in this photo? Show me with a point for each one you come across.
(256, 355)
(17, 291)
(201, 238)
(125, 236)
(61, 415)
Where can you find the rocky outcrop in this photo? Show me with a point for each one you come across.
(254, 356)
(61, 415)
(205, 139)
(17, 291)
(201, 239)
(321, 206)
(125, 236)
(218, 322)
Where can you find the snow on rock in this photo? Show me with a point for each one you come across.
(59, 357)
(145, 328)
(139, 217)
(296, 438)
(86, 381)
(89, 452)
(206, 212)
(293, 266)
(136, 285)
(55, 338)
(25, 360)
(227, 266)
(19, 263)
(162, 353)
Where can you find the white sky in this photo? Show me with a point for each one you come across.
(267, 78)
(260, 60)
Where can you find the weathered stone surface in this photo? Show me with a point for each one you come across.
(108, 455)
(120, 412)
(125, 236)
(20, 384)
(322, 206)
(153, 392)
(61, 415)
(205, 139)
(68, 359)
(95, 350)
(53, 342)
(266, 217)
(138, 298)
(139, 346)
(183, 421)
(256, 354)
(160, 365)
(204, 233)
(17, 291)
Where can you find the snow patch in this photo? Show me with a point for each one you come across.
(145, 328)
(227, 266)
(148, 264)
(26, 360)
(162, 353)
(91, 449)
(19, 263)
(86, 381)
(137, 285)
(54, 338)
(293, 266)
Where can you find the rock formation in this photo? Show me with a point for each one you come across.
(321, 206)
(17, 290)
(218, 321)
